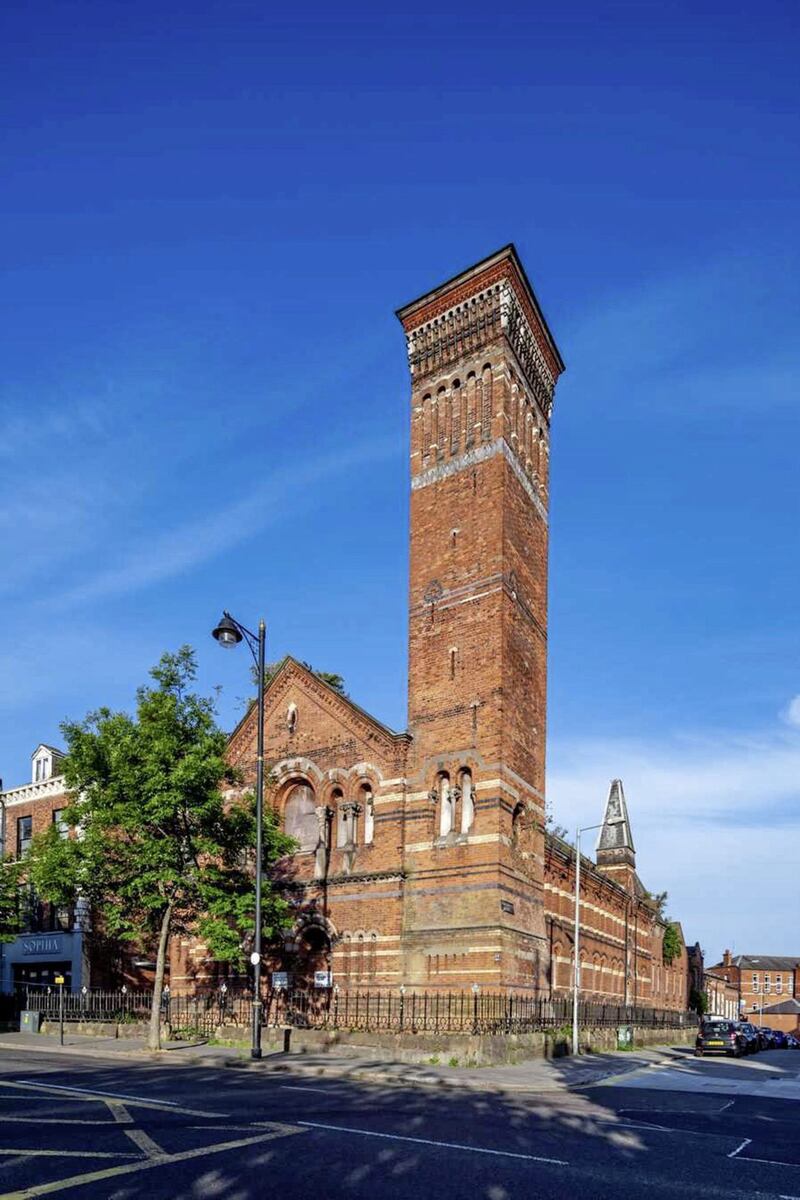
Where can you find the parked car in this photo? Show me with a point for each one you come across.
(792, 1042)
(751, 1036)
(764, 1037)
(720, 1037)
(779, 1039)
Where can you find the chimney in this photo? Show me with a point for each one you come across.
(726, 959)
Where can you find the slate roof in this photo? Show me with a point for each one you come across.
(790, 1007)
(616, 831)
(765, 962)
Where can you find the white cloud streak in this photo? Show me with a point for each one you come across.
(716, 822)
(202, 539)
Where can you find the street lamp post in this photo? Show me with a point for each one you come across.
(576, 976)
(229, 633)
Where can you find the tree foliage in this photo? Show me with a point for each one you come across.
(159, 850)
(672, 944)
(698, 1001)
(10, 916)
(659, 901)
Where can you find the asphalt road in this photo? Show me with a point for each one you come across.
(117, 1131)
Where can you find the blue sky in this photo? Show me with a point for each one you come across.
(209, 215)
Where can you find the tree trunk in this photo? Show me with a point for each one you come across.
(154, 1038)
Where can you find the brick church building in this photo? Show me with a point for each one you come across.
(423, 857)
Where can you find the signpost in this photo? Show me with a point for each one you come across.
(59, 980)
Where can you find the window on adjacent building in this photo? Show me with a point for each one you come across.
(766, 983)
(60, 822)
(755, 982)
(24, 835)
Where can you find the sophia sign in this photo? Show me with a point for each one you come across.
(323, 979)
(42, 945)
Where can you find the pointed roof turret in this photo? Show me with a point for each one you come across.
(615, 844)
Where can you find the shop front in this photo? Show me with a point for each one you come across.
(35, 959)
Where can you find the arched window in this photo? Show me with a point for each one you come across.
(360, 955)
(300, 817)
(467, 801)
(455, 420)
(368, 805)
(337, 803)
(486, 417)
(445, 804)
(516, 823)
(372, 962)
(346, 946)
(471, 407)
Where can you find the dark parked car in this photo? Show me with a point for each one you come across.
(792, 1042)
(779, 1039)
(720, 1037)
(752, 1038)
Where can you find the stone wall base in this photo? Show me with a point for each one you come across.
(455, 1049)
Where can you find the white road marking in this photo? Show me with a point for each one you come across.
(772, 1162)
(289, 1087)
(397, 1137)
(62, 1087)
(746, 1142)
(728, 1105)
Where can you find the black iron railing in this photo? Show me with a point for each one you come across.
(356, 1010)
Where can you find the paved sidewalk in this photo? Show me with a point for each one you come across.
(535, 1075)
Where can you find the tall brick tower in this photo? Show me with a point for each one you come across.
(483, 370)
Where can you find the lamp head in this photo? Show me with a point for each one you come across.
(227, 633)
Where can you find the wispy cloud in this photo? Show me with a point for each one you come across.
(791, 714)
(201, 539)
(715, 818)
(683, 341)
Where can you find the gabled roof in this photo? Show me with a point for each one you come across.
(289, 664)
(53, 750)
(615, 833)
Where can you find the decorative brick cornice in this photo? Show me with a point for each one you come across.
(476, 309)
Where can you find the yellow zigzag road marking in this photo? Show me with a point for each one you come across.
(145, 1143)
(60, 1185)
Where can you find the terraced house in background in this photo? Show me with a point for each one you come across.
(768, 987)
(423, 854)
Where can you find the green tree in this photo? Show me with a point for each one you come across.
(160, 852)
(698, 1001)
(10, 920)
(672, 944)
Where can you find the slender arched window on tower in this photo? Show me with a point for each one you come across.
(368, 806)
(455, 420)
(467, 801)
(516, 823)
(445, 804)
